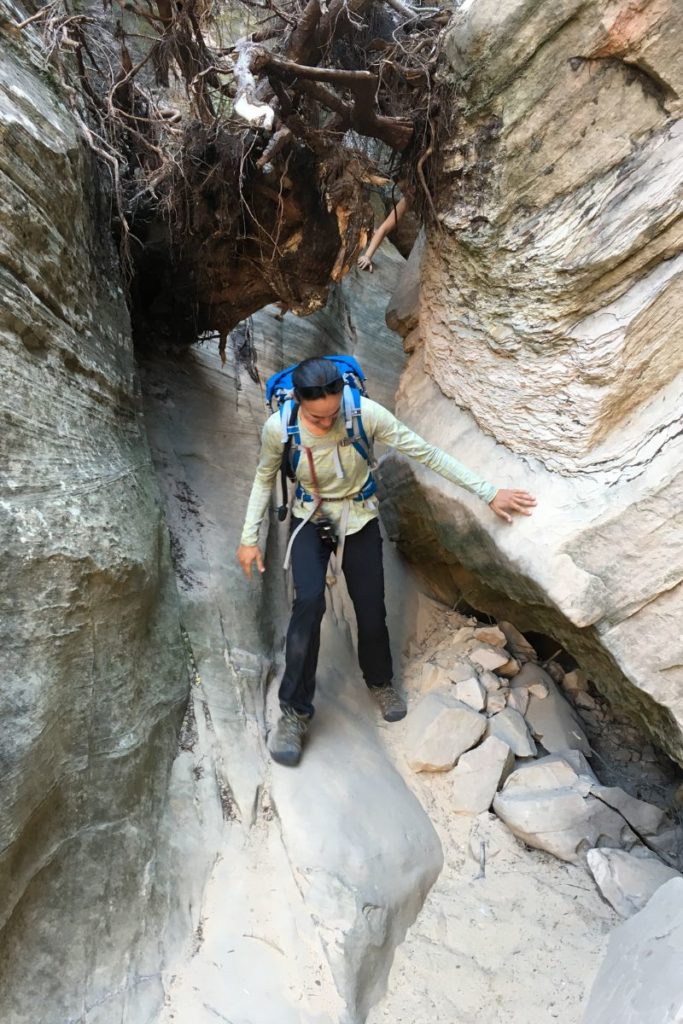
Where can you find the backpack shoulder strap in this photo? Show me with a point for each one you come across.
(291, 453)
(353, 421)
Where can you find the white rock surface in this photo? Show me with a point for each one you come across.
(626, 880)
(510, 727)
(518, 700)
(478, 775)
(549, 806)
(471, 692)
(490, 681)
(640, 980)
(438, 730)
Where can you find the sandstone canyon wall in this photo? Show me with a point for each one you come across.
(94, 678)
(549, 346)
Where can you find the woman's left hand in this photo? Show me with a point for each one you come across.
(507, 501)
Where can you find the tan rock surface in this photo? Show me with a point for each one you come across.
(552, 340)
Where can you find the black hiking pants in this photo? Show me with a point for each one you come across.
(362, 567)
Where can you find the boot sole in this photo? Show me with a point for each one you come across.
(288, 760)
(395, 716)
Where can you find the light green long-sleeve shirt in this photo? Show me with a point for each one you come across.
(380, 425)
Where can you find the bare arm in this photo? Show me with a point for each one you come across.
(388, 225)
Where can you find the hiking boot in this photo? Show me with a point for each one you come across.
(392, 706)
(285, 746)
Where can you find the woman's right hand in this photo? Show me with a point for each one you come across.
(247, 554)
(365, 263)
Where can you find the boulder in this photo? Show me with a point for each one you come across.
(495, 702)
(427, 677)
(579, 763)
(518, 699)
(640, 981)
(575, 681)
(490, 635)
(438, 730)
(517, 644)
(553, 720)
(549, 806)
(555, 671)
(509, 726)
(531, 674)
(490, 658)
(489, 680)
(627, 880)
(471, 692)
(450, 655)
(643, 817)
(509, 669)
(478, 775)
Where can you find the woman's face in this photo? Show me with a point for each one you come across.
(321, 413)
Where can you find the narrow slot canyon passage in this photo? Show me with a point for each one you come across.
(188, 193)
(348, 889)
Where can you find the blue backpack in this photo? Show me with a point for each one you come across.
(280, 388)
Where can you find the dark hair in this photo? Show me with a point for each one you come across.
(316, 378)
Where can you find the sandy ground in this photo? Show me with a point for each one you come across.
(520, 945)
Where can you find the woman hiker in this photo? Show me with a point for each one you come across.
(331, 512)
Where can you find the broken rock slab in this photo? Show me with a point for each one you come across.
(495, 702)
(628, 880)
(517, 644)
(510, 727)
(438, 730)
(490, 635)
(509, 669)
(576, 681)
(471, 692)
(518, 699)
(640, 980)
(478, 775)
(450, 655)
(643, 817)
(429, 676)
(491, 658)
(551, 718)
(490, 680)
(549, 806)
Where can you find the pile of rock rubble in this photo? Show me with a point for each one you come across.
(508, 732)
